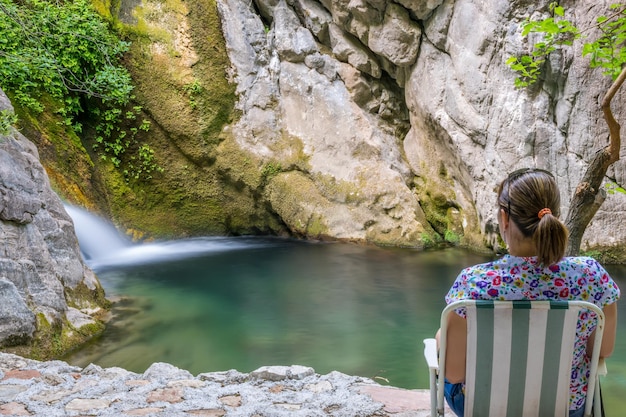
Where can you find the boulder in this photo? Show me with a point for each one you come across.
(41, 268)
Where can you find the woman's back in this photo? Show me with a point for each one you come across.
(523, 278)
(528, 207)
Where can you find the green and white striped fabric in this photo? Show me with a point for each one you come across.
(519, 357)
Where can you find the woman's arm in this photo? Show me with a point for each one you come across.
(455, 348)
(610, 328)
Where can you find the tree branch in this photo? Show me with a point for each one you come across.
(589, 195)
(614, 127)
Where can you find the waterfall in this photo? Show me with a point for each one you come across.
(97, 237)
(104, 247)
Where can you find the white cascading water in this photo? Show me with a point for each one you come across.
(97, 237)
(104, 247)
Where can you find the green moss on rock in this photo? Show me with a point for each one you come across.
(83, 297)
(287, 192)
(53, 340)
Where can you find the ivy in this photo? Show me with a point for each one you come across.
(65, 50)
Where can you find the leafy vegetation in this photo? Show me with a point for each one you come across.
(270, 170)
(7, 119)
(65, 50)
(607, 51)
(556, 32)
(194, 90)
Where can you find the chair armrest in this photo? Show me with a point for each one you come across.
(430, 353)
(602, 367)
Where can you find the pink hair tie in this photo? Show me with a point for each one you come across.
(543, 212)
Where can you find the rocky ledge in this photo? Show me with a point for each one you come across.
(55, 388)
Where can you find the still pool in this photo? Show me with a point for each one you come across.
(215, 304)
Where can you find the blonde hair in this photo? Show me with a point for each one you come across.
(524, 194)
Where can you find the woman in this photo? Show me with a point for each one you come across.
(534, 269)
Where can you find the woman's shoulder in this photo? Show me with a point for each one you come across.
(582, 261)
(587, 270)
(510, 261)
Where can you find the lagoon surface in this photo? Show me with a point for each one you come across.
(213, 304)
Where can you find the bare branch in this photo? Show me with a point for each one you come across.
(589, 194)
(614, 126)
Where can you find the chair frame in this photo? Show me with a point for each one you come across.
(436, 357)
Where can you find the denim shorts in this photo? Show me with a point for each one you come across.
(455, 397)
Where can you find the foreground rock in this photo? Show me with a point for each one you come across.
(46, 291)
(55, 388)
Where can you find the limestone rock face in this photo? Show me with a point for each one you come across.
(341, 170)
(464, 104)
(40, 260)
(382, 121)
(390, 119)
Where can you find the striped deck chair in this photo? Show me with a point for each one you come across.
(519, 357)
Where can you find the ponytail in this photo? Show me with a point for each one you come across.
(550, 239)
(532, 200)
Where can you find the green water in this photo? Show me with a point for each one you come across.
(252, 302)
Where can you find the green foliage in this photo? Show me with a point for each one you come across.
(64, 49)
(138, 165)
(612, 188)
(7, 119)
(427, 241)
(556, 32)
(194, 90)
(67, 51)
(607, 51)
(270, 170)
(451, 237)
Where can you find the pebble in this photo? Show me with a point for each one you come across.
(55, 388)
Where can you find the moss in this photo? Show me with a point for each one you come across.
(290, 150)
(430, 241)
(238, 167)
(316, 227)
(286, 192)
(194, 195)
(607, 254)
(53, 340)
(82, 296)
(67, 163)
(103, 8)
(451, 237)
(435, 206)
(446, 217)
(339, 191)
(143, 28)
(218, 94)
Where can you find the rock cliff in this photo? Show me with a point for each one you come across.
(47, 294)
(389, 122)
(328, 89)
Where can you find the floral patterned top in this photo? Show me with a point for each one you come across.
(516, 278)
